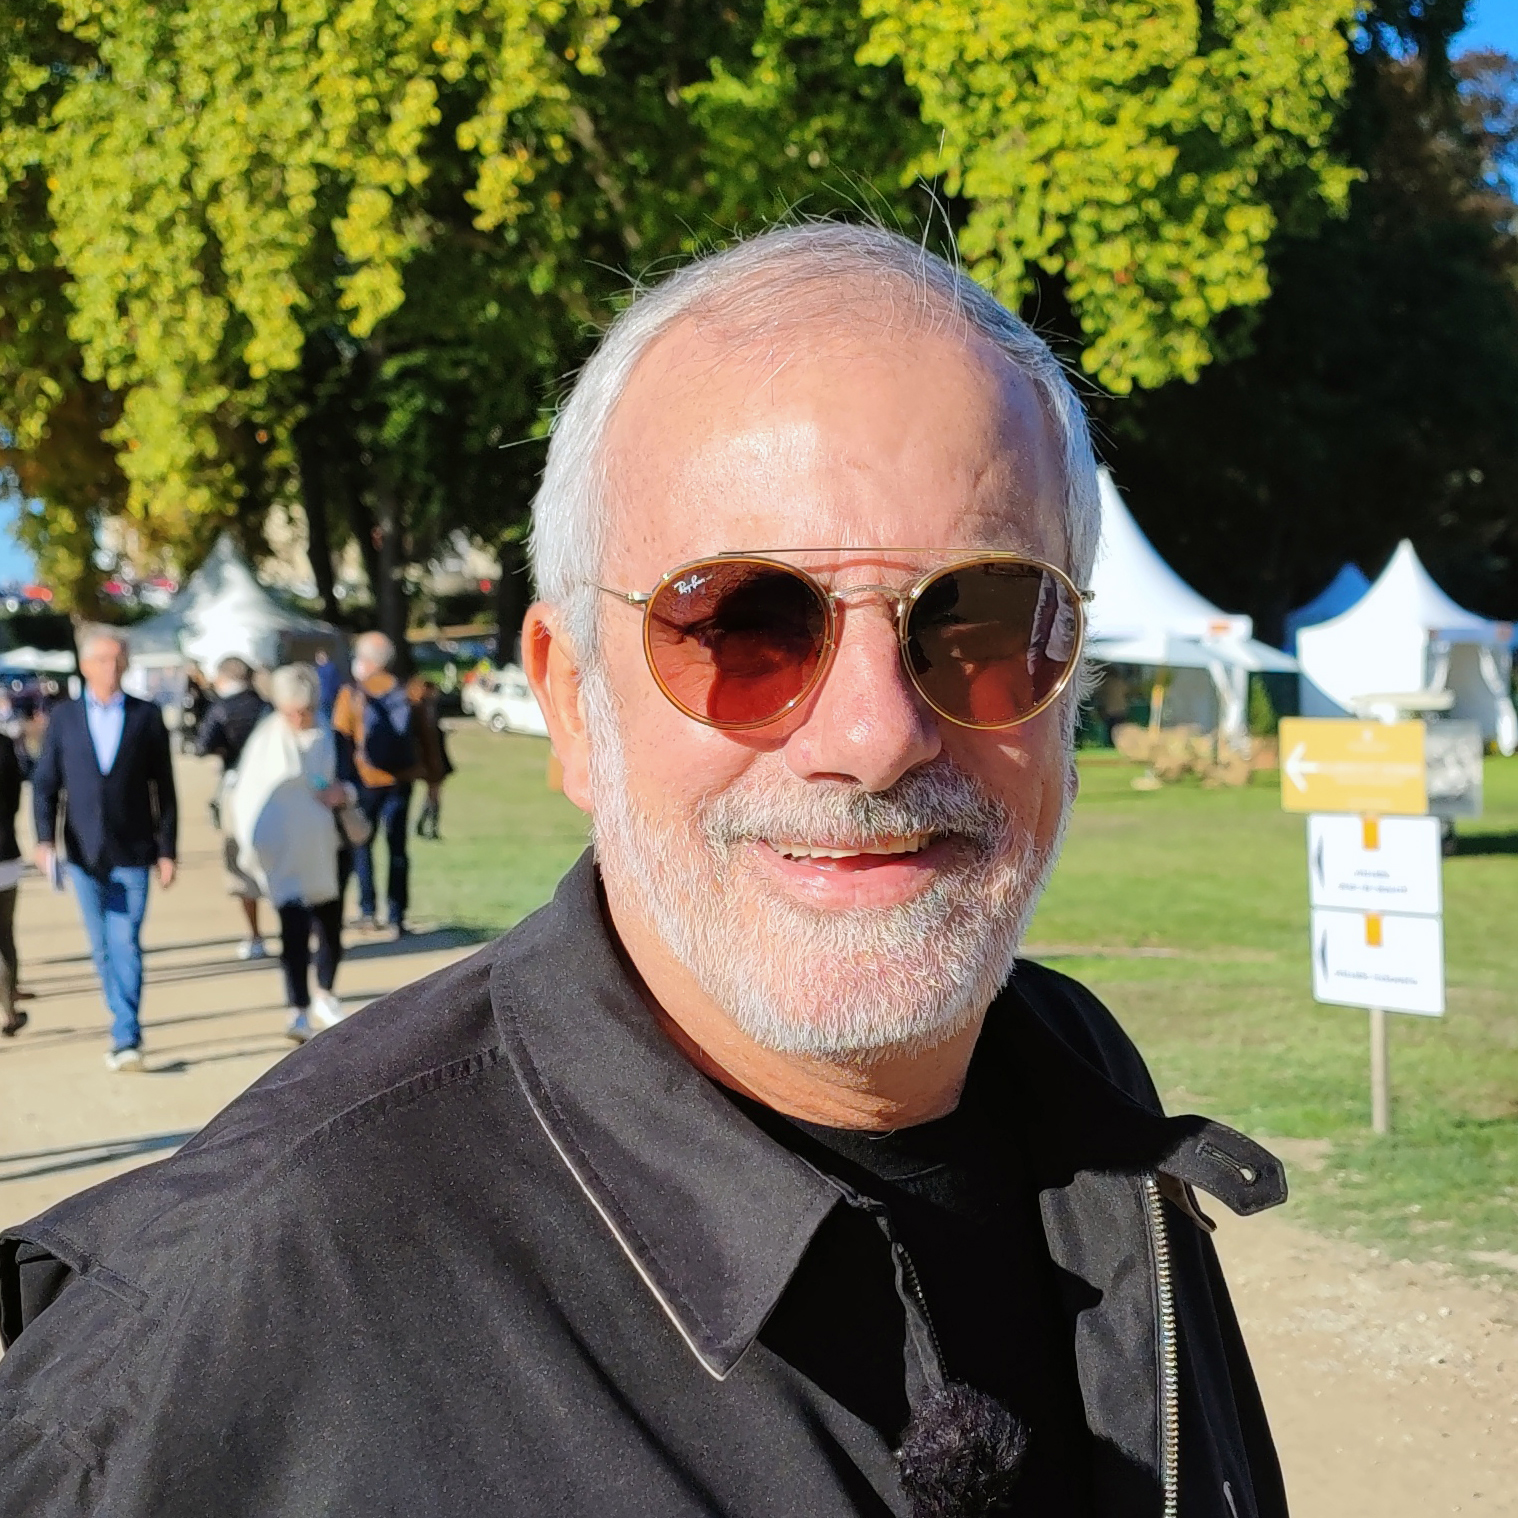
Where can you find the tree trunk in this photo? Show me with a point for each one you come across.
(313, 490)
(390, 606)
(513, 595)
(366, 534)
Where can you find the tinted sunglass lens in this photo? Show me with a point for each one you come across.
(989, 643)
(736, 643)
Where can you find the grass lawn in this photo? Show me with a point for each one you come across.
(1212, 884)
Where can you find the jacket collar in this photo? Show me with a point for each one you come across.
(712, 1213)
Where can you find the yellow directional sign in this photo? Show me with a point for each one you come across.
(1330, 765)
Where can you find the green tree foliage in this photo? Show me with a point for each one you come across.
(1379, 396)
(338, 253)
(1138, 150)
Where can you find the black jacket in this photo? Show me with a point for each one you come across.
(128, 817)
(496, 1247)
(15, 766)
(225, 729)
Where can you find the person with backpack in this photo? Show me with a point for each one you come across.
(386, 742)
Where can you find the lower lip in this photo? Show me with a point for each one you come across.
(860, 880)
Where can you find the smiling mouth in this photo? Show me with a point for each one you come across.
(882, 848)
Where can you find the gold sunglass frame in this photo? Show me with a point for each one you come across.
(904, 600)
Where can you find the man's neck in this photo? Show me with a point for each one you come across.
(894, 1089)
(103, 697)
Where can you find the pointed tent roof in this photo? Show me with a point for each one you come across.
(1342, 592)
(1143, 612)
(1405, 592)
(1381, 644)
(222, 611)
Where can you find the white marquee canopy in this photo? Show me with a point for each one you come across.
(223, 612)
(1143, 612)
(1406, 637)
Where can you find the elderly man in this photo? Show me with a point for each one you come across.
(108, 754)
(386, 741)
(754, 1175)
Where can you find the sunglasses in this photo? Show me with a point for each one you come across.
(739, 640)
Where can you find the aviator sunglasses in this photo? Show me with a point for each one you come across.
(739, 640)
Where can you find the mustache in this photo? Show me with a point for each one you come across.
(937, 798)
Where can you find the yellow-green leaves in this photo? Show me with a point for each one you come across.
(390, 223)
(1128, 147)
(218, 167)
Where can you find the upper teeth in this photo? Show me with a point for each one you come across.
(885, 846)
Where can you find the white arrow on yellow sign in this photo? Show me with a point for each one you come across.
(1333, 765)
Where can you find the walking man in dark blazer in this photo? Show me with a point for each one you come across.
(106, 756)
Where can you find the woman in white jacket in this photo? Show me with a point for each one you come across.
(282, 804)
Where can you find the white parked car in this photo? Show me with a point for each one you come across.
(504, 702)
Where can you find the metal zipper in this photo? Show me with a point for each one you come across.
(909, 1283)
(1170, 1369)
(914, 1285)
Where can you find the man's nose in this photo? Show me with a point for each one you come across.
(867, 724)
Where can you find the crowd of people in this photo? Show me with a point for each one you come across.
(317, 764)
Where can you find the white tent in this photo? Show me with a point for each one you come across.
(222, 612)
(39, 661)
(1405, 637)
(1143, 612)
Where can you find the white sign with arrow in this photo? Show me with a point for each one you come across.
(1388, 961)
(1377, 864)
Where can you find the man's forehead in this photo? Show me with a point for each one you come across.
(857, 429)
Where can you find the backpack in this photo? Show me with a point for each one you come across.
(389, 742)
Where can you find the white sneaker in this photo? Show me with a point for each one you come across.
(299, 1028)
(326, 1009)
(252, 948)
(124, 1060)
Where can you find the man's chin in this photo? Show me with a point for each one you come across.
(862, 1035)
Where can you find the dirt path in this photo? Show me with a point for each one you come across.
(212, 1024)
(1392, 1388)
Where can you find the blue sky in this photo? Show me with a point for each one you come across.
(1492, 23)
(14, 564)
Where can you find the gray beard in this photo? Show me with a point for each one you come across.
(852, 985)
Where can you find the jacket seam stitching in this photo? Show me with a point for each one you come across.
(79, 1445)
(127, 1292)
(392, 1099)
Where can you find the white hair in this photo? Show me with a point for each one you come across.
(294, 688)
(376, 647)
(91, 637)
(754, 283)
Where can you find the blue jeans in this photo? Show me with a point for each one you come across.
(113, 910)
(386, 807)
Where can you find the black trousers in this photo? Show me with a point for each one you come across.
(296, 920)
(8, 967)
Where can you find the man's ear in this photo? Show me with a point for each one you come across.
(549, 662)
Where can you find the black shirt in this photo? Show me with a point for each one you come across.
(960, 1200)
(496, 1247)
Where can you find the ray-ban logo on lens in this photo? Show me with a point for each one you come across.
(690, 583)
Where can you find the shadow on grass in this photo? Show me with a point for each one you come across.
(1485, 843)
